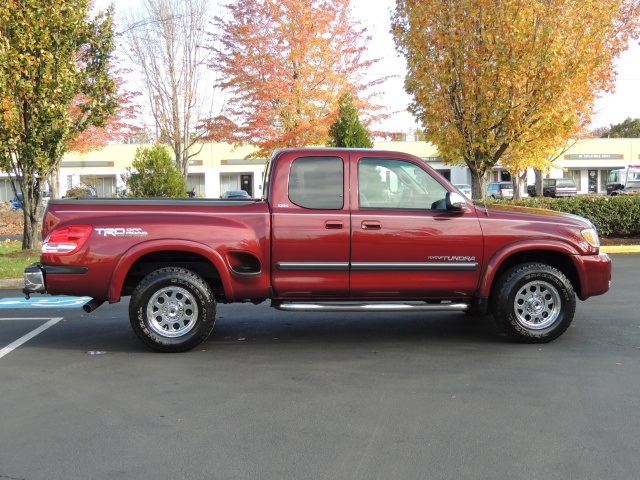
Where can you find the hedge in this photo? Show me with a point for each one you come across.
(617, 216)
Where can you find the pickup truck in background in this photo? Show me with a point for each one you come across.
(624, 180)
(336, 230)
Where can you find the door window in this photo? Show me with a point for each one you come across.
(397, 184)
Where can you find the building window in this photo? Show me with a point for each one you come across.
(604, 175)
(576, 176)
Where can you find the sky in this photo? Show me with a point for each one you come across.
(611, 108)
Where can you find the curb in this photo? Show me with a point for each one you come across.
(11, 283)
(621, 249)
(18, 283)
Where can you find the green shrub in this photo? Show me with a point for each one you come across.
(617, 216)
(153, 173)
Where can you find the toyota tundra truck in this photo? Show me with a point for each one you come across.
(336, 230)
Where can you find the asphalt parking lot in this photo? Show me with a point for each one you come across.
(276, 395)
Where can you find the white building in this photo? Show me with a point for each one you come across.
(219, 167)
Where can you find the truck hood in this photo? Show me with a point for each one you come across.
(505, 224)
(538, 214)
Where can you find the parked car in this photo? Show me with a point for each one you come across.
(464, 188)
(555, 187)
(235, 194)
(500, 190)
(632, 188)
(618, 180)
(559, 187)
(16, 203)
(80, 192)
(312, 244)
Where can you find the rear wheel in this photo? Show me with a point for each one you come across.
(172, 310)
(533, 303)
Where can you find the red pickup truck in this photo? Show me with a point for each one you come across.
(335, 230)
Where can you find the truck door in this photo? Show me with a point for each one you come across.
(310, 226)
(405, 244)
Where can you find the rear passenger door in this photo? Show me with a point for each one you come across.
(311, 227)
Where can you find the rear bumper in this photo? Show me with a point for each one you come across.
(35, 276)
(34, 279)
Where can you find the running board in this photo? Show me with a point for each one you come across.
(369, 307)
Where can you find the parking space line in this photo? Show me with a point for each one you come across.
(12, 346)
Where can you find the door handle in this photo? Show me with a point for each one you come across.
(371, 225)
(333, 224)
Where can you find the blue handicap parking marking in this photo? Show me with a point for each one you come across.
(44, 302)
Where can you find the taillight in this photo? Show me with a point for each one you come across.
(66, 240)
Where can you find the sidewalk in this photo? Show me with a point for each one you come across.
(18, 283)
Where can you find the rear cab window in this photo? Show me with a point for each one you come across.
(317, 183)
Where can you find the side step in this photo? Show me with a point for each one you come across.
(369, 307)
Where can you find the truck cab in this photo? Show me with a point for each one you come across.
(618, 180)
(375, 226)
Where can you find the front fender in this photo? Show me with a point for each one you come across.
(502, 254)
(137, 251)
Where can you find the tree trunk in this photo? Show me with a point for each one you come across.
(538, 183)
(30, 230)
(517, 184)
(54, 181)
(32, 209)
(479, 182)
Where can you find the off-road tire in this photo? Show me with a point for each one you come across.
(172, 310)
(533, 303)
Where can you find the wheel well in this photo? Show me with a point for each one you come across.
(191, 261)
(555, 259)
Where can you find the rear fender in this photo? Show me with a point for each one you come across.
(131, 256)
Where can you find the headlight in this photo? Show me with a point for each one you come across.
(591, 236)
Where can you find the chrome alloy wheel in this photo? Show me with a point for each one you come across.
(172, 312)
(537, 305)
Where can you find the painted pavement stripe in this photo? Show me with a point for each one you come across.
(12, 346)
(43, 302)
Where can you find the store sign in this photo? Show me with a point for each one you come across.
(594, 156)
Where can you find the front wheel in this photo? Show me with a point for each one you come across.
(172, 310)
(533, 303)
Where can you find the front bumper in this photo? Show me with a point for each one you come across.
(595, 275)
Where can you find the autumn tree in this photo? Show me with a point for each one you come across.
(165, 39)
(121, 127)
(153, 173)
(284, 65)
(630, 128)
(506, 80)
(54, 84)
(347, 130)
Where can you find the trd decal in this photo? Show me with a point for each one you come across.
(121, 232)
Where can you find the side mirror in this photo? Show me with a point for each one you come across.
(455, 202)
